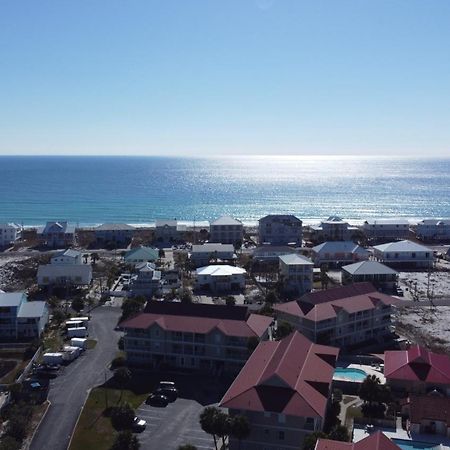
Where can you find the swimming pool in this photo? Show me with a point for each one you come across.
(349, 374)
(415, 445)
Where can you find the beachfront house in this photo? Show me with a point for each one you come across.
(381, 276)
(9, 234)
(338, 253)
(417, 371)
(342, 316)
(332, 229)
(226, 230)
(147, 282)
(21, 319)
(65, 268)
(141, 255)
(57, 234)
(202, 255)
(433, 230)
(405, 254)
(114, 234)
(220, 279)
(386, 229)
(283, 390)
(280, 229)
(209, 338)
(296, 274)
(166, 231)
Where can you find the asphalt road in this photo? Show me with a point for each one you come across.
(69, 390)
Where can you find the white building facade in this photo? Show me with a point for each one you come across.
(296, 273)
(226, 230)
(9, 234)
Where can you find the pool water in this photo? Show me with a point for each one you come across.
(415, 445)
(349, 374)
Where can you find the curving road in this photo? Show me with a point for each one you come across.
(69, 391)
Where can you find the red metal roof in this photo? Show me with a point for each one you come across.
(337, 293)
(417, 364)
(329, 309)
(376, 441)
(291, 376)
(255, 325)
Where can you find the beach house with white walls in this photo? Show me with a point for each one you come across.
(202, 255)
(147, 282)
(380, 275)
(332, 229)
(296, 274)
(220, 279)
(386, 229)
(433, 230)
(166, 231)
(280, 229)
(226, 230)
(114, 234)
(404, 254)
(9, 234)
(57, 234)
(338, 253)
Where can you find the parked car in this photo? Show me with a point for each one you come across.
(139, 424)
(169, 392)
(157, 400)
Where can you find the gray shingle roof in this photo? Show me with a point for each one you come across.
(368, 268)
(11, 299)
(32, 309)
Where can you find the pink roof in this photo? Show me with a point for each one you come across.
(291, 376)
(376, 441)
(329, 309)
(417, 364)
(337, 293)
(255, 325)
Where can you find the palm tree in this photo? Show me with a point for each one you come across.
(222, 425)
(94, 258)
(240, 428)
(207, 421)
(122, 376)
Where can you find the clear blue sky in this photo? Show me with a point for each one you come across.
(205, 77)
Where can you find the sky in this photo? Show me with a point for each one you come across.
(225, 77)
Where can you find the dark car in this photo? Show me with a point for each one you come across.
(43, 373)
(170, 392)
(157, 400)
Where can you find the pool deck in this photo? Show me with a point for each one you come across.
(370, 370)
(400, 433)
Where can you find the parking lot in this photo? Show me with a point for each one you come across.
(174, 425)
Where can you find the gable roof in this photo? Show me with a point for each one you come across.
(368, 268)
(200, 318)
(291, 376)
(226, 220)
(339, 247)
(32, 309)
(296, 259)
(322, 305)
(417, 364)
(61, 227)
(376, 441)
(10, 299)
(402, 246)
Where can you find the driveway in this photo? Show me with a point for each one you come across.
(176, 424)
(69, 391)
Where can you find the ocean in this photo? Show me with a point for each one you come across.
(138, 190)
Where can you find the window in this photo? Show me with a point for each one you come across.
(413, 255)
(281, 418)
(281, 435)
(266, 414)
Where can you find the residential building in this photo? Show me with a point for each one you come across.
(386, 229)
(141, 255)
(67, 257)
(338, 253)
(114, 234)
(433, 230)
(166, 231)
(65, 268)
(226, 230)
(405, 254)
(342, 316)
(296, 274)
(220, 279)
(376, 441)
(211, 338)
(147, 282)
(417, 371)
(20, 319)
(381, 276)
(9, 234)
(57, 234)
(332, 229)
(283, 390)
(428, 414)
(271, 253)
(171, 279)
(280, 229)
(202, 255)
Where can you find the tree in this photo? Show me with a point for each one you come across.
(9, 443)
(207, 422)
(187, 447)
(230, 300)
(122, 417)
(161, 253)
(374, 395)
(271, 297)
(125, 440)
(222, 425)
(94, 258)
(86, 257)
(186, 296)
(58, 316)
(309, 443)
(252, 343)
(122, 376)
(240, 428)
(340, 433)
(283, 329)
(130, 307)
(77, 304)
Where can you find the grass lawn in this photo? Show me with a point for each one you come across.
(94, 430)
(52, 341)
(353, 411)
